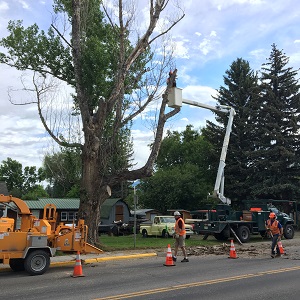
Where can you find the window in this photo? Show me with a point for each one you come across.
(64, 216)
(68, 216)
(72, 216)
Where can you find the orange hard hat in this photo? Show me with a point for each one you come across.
(272, 215)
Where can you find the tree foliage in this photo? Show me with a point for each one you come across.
(63, 172)
(183, 178)
(21, 182)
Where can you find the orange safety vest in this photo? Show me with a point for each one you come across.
(177, 229)
(273, 226)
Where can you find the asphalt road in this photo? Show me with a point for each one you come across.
(204, 277)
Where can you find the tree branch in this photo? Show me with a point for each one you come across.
(61, 36)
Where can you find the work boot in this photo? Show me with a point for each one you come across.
(174, 258)
(185, 260)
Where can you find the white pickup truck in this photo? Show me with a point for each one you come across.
(163, 226)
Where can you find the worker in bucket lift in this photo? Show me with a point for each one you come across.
(169, 78)
(274, 227)
(179, 236)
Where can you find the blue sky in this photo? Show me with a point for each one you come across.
(211, 36)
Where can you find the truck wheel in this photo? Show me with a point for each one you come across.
(288, 231)
(243, 234)
(17, 264)
(165, 234)
(37, 262)
(115, 231)
(145, 233)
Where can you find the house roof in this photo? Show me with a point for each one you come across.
(3, 188)
(107, 206)
(67, 203)
(71, 203)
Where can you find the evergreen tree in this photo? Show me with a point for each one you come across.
(276, 161)
(240, 91)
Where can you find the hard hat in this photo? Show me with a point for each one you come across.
(177, 213)
(272, 215)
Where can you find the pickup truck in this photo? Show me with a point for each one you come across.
(163, 226)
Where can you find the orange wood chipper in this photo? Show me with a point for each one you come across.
(30, 245)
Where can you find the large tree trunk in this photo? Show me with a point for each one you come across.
(92, 194)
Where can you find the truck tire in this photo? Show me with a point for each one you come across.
(17, 264)
(115, 231)
(165, 233)
(144, 233)
(243, 233)
(288, 231)
(37, 262)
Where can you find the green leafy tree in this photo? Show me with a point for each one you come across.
(11, 172)
(240, 91)
(20, 182)
(183, 178)
(63, 172)
(276, 159)
(115, 77)
(36, 192)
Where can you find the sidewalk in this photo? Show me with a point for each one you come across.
(70, 259)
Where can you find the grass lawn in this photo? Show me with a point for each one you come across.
(126, 242)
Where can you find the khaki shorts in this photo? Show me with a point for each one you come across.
(180, 242)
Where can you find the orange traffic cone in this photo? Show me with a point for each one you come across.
(232, 250)
(78, 268)
(281, 250)
(169, 258)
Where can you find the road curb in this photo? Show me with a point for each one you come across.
(94, 260)
(102, 259)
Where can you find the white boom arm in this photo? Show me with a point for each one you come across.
(175, 100)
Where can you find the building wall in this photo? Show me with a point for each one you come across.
(118, 212)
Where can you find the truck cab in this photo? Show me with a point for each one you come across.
(163, 226)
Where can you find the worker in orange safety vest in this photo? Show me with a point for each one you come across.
(276, 231)
(179, 236)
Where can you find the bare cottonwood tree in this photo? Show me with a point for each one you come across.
(131, 80)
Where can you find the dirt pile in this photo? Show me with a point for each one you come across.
(225, 248)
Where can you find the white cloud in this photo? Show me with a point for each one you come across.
(24, 4)
(199, 93)
(181, 51)
(205, 46)
(142, 139)
(3, 6)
